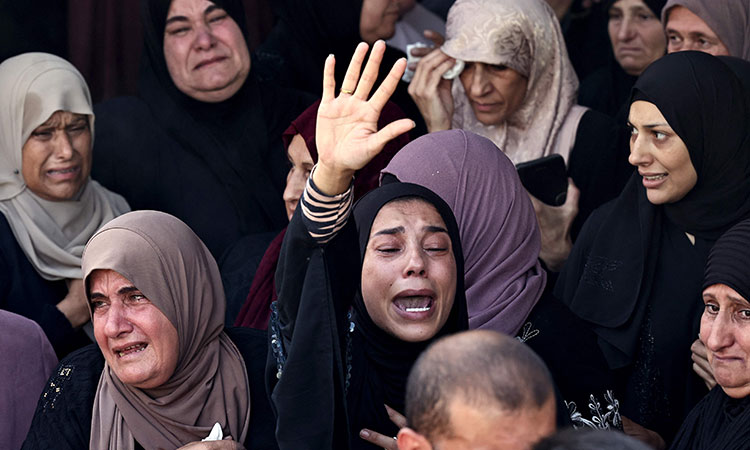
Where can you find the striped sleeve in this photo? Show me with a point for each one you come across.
(322, 214)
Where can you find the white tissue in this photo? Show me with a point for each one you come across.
(411, 64)
(215, 435)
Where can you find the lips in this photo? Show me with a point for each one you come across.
(415, 304)
(209, 61)
(653, 180)
(64, 173)
(129, 349)
(485, 107)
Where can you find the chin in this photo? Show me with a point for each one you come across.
(414, 333)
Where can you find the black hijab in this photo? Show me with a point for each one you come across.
(232, 137)
(720, 421)
(607, 281)
(333, 385)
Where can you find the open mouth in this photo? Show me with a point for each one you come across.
(131, 349)
(658, 177)
(62, 172)
(414, 304)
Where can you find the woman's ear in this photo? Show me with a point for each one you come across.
(409, 439)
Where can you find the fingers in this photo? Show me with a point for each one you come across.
(388, 86)
(699, 349)
(396, 417)
(329, 81)
(352, 72)
(435, 37)
(392, 131)
(370, 74)
(381, 440)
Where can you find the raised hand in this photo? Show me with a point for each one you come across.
(381, 440)
(347, 134)
(555, 223)
(701, 365)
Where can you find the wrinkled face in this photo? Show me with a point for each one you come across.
(206, 54)
(494, 91)
(302, 164)
(137, 340)
(409, 271)
(659, 154)
(478, 429)
(725, 330)
(378, 18)
(687, 31)
(636, 35)
(56, 158)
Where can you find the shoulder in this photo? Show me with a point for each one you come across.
(113, 108)
(62, 419)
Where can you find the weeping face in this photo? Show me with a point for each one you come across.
(205, 51)
(137, 340)
(495, 92)
(725, 330)
(56, 158)
(660, 155)
(409, 271)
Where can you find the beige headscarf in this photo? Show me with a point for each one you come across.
(52, 234)
(525, 36)
(166, 261)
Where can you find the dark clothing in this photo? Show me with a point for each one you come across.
(24, 292)
(149, 163)
(63, 415)
(219, 167)
(657, 387)
(718, 422)
(607, 90)
(598, 167)
(331, 375)
(305, 34)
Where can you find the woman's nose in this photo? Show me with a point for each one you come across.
(478, 81)
(720, 334)
(627, 29)
(204, 38)
(639, 155)
(415, 262)
(63, 146)
(116, 321)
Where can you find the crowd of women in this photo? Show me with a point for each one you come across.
(342, 220)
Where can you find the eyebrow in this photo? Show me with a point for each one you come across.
(649, 125)
(211, 8)
(396, 230)
(122, 290)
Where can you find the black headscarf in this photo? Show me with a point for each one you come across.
(654, 5)
(719, 421)
(608, 281)
(231, 137)
(326, 373)
(729, 260)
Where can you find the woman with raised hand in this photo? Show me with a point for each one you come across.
(396, 263)
(49, 204)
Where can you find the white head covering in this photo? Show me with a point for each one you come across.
(525, 36)
(52, 234)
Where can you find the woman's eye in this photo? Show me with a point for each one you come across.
(217, 18)
(436, 249)
(178, 31)
(97, 304)
(745, 313)
(42, 134)
(658, 135)
(711, 308)
(498, 67)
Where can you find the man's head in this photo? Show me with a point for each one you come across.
(478, 389)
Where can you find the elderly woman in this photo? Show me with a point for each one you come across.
(164, 373)
(719, 27)
(397, 264)
(50, 207)
(519, 89)
(201, 140)
(722, 419)
(637, 39)
(630, 292)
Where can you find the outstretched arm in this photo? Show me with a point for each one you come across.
(347, 134)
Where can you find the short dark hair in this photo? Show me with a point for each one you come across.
(481, 368)
(589, 439)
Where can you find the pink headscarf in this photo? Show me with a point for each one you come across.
(499, 232)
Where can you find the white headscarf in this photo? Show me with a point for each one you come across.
(33, 86)
(525, 36)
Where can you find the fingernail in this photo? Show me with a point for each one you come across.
(364, 433)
